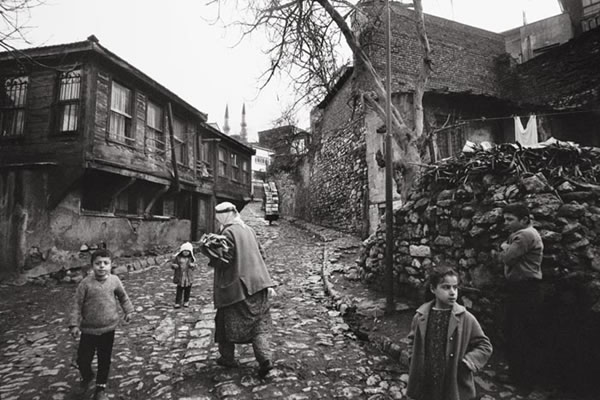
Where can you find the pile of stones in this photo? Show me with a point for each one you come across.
(459, 223)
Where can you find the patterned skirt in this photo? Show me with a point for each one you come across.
(244, 320)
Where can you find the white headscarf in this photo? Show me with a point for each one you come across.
(227, 214)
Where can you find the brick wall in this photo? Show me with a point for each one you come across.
(564, 77)
(463, 56)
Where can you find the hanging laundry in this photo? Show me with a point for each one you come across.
(527, 136)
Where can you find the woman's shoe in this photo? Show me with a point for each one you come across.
(186, 304)
(228, 363)
(177, 305)
(264, 368)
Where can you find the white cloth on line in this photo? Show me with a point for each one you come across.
(527, 136)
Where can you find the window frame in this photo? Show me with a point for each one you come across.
(152, 132)
(181, 142)
(130, 198)
(222, 161)
(128, 135)
(16, 111)
(202, 154)
(67, 81)
(235, 167)
(245, 171)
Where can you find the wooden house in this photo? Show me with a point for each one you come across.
(92, 150)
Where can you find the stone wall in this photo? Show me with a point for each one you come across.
(338, 181)
(329, 186)
(287, 188)
(461, 225)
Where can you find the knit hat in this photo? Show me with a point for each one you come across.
(186, 246)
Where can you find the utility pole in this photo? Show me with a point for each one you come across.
(389, 208)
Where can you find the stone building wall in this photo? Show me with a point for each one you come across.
(338, 182)
(329, 187)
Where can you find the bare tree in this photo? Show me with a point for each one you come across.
(14, 16)
(305, 39)
(293, 139)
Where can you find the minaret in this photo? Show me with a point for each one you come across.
(243, 132)
(226, 124)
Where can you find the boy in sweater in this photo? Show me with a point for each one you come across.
(522, 256)
(94, 319)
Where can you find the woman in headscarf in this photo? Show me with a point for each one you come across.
(241, 292)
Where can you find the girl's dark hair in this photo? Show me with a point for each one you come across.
(438, 274)
(101, 253)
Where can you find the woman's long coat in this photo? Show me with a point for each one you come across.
(246, 273)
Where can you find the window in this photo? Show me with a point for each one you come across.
(298, 146)
(235, 167)
(184, 205)
(450, 142)
(126, 203)
(155, 132)
(587, 3)
(245, 172)
(12, 106)
(202, 157)
(222, 162)
(261, 160)
(94, 195)
(202, 150)
(119, 124)
(168, 204)
(68, 101)
(181, 146)
(174, 205)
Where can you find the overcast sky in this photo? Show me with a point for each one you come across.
(174, 43)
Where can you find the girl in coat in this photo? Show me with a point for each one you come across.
(184, 263)
(447, 343)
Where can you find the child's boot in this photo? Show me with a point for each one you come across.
(100, 393)
(86, 384)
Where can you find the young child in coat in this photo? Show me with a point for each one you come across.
(448, 344)
(94, 319)
(183, 264)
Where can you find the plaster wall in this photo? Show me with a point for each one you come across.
(65, 229)
(69, 229)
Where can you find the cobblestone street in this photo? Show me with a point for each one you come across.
(167, 353)
(170, 354)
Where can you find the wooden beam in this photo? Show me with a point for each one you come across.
(173, 155)
(158, 193)
(113, 198)
(61, 180)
